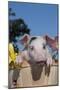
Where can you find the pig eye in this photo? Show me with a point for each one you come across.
(44, 46)
(31, 48)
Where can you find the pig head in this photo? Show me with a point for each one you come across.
(36, 49)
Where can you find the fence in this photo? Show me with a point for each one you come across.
(35, 75)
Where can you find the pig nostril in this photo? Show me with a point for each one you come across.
(44, 46)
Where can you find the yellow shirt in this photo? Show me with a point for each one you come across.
(12, 54)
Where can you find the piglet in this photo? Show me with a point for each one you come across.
(36, 50)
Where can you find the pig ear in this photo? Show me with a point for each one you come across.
(25, 39)
(46, 38)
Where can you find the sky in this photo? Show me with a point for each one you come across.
(42, 19)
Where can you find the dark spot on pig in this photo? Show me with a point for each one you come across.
(33, 38)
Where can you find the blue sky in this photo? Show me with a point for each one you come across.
(41, 18)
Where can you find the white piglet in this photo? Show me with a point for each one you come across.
(36, 50)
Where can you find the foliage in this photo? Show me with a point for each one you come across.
(17, 27)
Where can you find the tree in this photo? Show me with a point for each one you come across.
(11, 13)
(17, 27)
